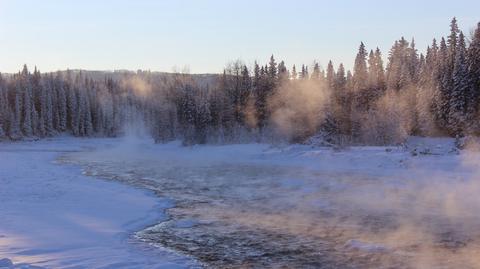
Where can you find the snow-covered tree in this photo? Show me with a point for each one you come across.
(473, 61)
(460, 91)
(360, 71)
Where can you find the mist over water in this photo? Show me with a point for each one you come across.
(389, 210)
(299, 108)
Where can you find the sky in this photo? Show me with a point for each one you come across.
(203, 36)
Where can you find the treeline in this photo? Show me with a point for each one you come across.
(431, 94)
(34, 105)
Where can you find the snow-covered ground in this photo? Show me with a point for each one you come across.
(254, 205)
(53, 216)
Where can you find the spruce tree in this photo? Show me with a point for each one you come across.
(63, 107)
(461, 88)
(452, 42)
(4, 111)
(282, 72)
(49, 109)
(27, 109)
(473, 60)
(272, 68)
(316, 71)
(293, 75)
(330, 76)
(372, 71)
(16, 115)
(413, 61)
(360, 72)
(340, 102)
(43, 112)
(73, 117)
(444, 86)
(380, 77)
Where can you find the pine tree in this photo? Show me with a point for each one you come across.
(82, 112)
(452, 42)
(401, 61)
(413, 62)
(316, 72)
(330, 76)
(443, 86)
(261, 95)
(88, 115)
(3, 134)
(73, 117)
(340, 101)
(461, 88)
(360, 93)
(304, 73)
(27, 107)
(109, 129)
(41, 128)
(43, 112)
(473, 61)
(380, 77)
(38, 125)
(49, 110)
(360, 73)
(3, 110)
(372, 71)
(272, 68)
(349, 80)
(245, 89)
(294, 73)
(16, 115)
(256, 75)
(282, 72)
(62, 105)
(448, 54)
(340, 79)
(202, 118)
(394, 67)
(376, 78)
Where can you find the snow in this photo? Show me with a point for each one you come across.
(229, 203)
(53, 216)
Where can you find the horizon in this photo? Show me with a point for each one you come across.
(56, 36)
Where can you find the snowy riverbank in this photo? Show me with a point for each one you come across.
(53, 216)
(257, 205)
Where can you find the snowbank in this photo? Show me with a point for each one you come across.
(52, 216)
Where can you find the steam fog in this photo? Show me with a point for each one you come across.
(362, 208)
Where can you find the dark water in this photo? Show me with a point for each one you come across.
(251, 215)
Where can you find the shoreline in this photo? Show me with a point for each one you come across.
(53, 216)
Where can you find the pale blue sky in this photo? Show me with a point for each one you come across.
(205, 35)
